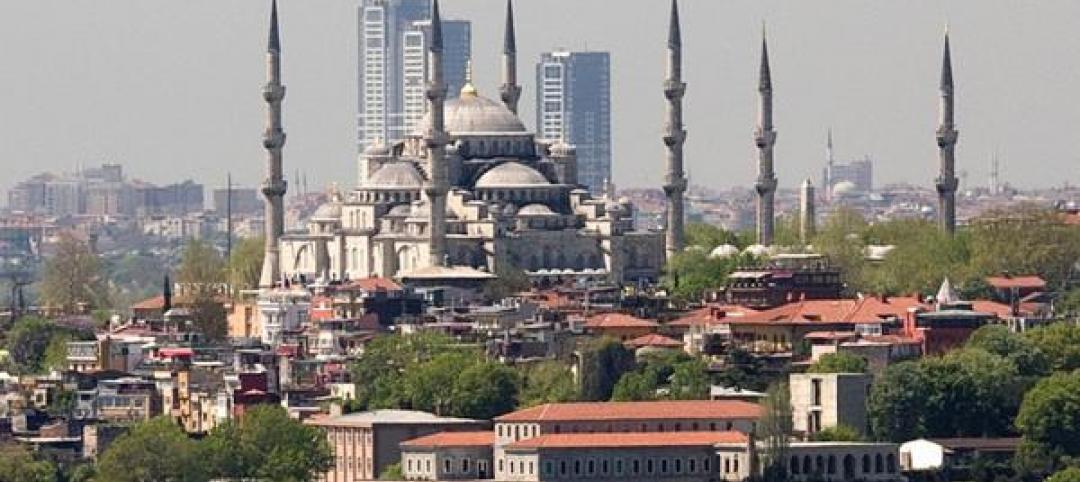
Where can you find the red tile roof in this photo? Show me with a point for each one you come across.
(863, 310)
(654, 340)
(618, 320)
(659, 410)
(371, 284)
(1009, 282)
(152, 303)
(711, 314)
(632, 439)
(1000, 310)
(453, 439)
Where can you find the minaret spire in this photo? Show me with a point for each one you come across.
(435, 138)
(274, 186)
(674, 136)
(765, 138)
(510, 91)
(947, 136)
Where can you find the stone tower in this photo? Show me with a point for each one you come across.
(765, 138)
(674, 136)
(510, 91)
(435, 138)
(946, 140)
(807, 212)
(273, 187)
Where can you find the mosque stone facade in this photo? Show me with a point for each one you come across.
(513, 201)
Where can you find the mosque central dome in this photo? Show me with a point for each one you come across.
(511, 174)
(472, 113)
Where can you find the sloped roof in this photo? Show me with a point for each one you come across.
(711, 314)
(371, 284)
(666, 410)
(633, 439)
(654, 340)
(453, 439)
(1008, 282)
(619, 320)
(864, 310)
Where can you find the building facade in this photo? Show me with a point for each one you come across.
(824, 400)
(573, 104)
(393, 66)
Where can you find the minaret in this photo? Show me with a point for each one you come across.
(830, 159)
(510, 91)
(674, 136)
(435, 138)
(765, 137)
(946, 141)
(807, 211)
(273, 187)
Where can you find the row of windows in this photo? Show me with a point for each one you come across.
(628, 466)
(822, 465)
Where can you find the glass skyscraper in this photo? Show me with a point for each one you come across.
(393, 66)
(573, 103)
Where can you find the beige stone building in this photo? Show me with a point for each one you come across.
(833, 461)
(823, 400)
(366, 443)
(448, 456)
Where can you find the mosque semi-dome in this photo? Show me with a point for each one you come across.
(536, 210)
(396, 175)
(511, 174)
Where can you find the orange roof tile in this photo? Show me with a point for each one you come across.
(632, 439)
(654, 340)
(619, 320)
(1008, 282)
(864, 310)
(665, 410)
(1000, 310)
(711, 314)
(372, 284)
(152, 303)
(453, 439)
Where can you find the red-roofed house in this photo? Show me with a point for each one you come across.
(620, 326)
(654, 341)
(448, 456)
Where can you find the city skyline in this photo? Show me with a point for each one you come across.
(816, 72)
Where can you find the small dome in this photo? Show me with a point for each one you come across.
(511, 174)
(396, 175)
(422, 210)
(377, 148)
(536, 210)
(399, 211)
(330, 211)
(843, 188)
(724, 251)
(474, 114)
(758, 250)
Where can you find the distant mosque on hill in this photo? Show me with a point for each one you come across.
(472, 192)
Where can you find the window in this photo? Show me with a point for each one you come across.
(592, 467)
(866, 463)
(649, 466)
(879, 464)
(410, 465)
(562, 468)
(604, 467)
(464, 466)
(735, 464)
(446, 466)
(663, 466)
(678, 427)
(577, 467)
(705, 464)
(891, 463)
(547, 468)
(637, 466)
(678, 466)
(618, 467)
(511, 466)
(816, 391)
(521, 466)
(557, 429)
(500, 465)
(690, 465)
(530, 468)
(832, 464)
(794, 468)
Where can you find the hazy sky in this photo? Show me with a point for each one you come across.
(171, 88)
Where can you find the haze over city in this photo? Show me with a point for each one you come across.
(171, 90)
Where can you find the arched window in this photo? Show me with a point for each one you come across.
(820, 465)
(849, 466)
(832, 464)
(891, 462)
(866, 463)
(794, 469)
(879, 464)
(807, 466)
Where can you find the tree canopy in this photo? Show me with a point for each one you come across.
(547, 382)
(73, 276)
(245, 263)
(154, 450)
(966, 393)
(36, 345)
(1060, 342)
(203, 274)
(841, 362)
(265, 444)
(603, 363)
(1050, 416)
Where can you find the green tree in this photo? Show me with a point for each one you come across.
(839, 238)
(742, 370)
(485, 390)
(156, 450)
(690, 380)
(837, 433)
(1021, 351)
(73, 276)
(1024, 239)
(1060, 342)
(1069, 306)
(380, 374)
(966, 393)
(202, 273)
(392, 472)
(19, 465)
(547, 382)
(840, 362)
(1050, 416)
(689, 273)
(708, 236)
(1071, 474)
(245, 263)
(430, 385)
(923, 256)
(266, 444)
(775, 431)
(35, 344)
(634, 386)
(603, 362)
